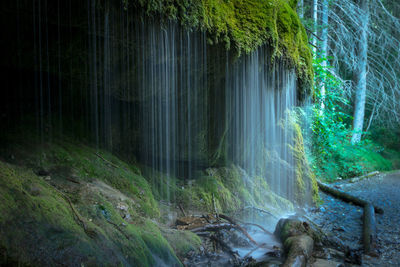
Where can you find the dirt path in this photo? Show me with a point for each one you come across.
(345, 220)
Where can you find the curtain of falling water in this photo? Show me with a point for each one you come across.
(259, 95)
(172, 75)
(146, 87)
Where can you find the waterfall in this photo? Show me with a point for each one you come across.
(154, 91)
(259, 94)
(252, 107)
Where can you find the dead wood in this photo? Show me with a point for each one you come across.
(226, 248)
(259, 226)
(369, 229)
(346, 197)
(254, 249)
(257, 209)
(107, 161)
(182, 210)
(240, 228)
(88, 231)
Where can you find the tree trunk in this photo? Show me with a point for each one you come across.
(315, 19)
(300, 9)
(360, 74)
(324, 48)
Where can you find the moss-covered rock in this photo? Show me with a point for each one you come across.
(306, 187)
(230, 189)
(73, 204)
(244, 26)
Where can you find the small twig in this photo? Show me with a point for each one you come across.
(226, 247)
(73, 180)
(259, 226)
(182, 210)
(107, 161)
(312, 45)
(119, 229)
(254, 249)
(215, 207)
(78, 217)
(313, 34)
(241, 229)
(214, 227)
(257, 209)
(205, 218)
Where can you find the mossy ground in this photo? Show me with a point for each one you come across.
(115, 214)
(229, 188)
(38, 225)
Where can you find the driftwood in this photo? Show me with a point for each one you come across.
(240, 228)
(182, 210)
(257, 209)
(226, 248)
(214, 227)
(368, 175)
(259, 226)
(223, 226)
(369, 229)
(346, 197)
(215, 207)
(254, 249)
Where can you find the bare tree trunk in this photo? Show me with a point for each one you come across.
(300, 9)
(324, 48)
(315, 19)
(360, 74)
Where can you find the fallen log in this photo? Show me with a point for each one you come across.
(368, 175)
(347, 197)
(214, 227)
(369, 229)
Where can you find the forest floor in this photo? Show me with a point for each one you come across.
(345, 220)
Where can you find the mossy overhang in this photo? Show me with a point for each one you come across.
(243, 26)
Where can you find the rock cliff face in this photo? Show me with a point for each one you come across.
(193, 93)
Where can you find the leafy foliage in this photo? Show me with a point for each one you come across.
(332, 153)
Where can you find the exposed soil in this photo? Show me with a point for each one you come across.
(345, 220)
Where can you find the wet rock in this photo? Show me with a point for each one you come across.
(326, 263)
(122, 206)
(299, 250)
(298, 243)
(34, 190)
(43, 172)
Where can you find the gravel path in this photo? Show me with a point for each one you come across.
(345, 220)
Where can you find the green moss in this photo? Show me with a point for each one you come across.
(230, 188)
(306, 180)
(182, 241)
(34, 214)
(244, 25)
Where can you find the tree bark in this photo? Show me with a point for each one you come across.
(360, 74)
(346, 197)
(300, 9)
(369, 229)
(315, 19)
(324, 48)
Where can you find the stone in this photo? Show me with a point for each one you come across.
(34, 190)
(326, 263)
